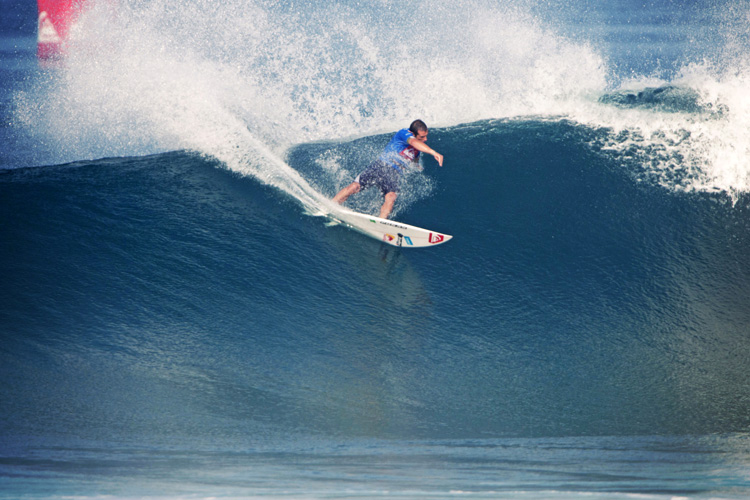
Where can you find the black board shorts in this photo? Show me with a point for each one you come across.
(381, 175)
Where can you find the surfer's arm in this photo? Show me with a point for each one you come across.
(424, 148)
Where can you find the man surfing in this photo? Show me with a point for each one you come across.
(400, 155)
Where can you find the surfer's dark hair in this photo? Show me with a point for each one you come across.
(417, 126)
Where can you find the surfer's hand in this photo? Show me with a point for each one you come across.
(439, 158)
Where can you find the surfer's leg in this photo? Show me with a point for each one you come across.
(345, 193)
(390, 199)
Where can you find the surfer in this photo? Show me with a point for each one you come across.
(399, 155)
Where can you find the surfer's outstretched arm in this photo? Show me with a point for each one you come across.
(424, 148)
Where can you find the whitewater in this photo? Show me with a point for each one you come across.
(175, 325)
(241, 86)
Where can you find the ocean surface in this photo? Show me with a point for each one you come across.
(174, 324)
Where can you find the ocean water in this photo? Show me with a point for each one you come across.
(175, 325)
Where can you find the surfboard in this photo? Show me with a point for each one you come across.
(388, 231)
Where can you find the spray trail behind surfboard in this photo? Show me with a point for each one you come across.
(144, 97)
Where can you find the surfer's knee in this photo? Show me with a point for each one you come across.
(390, 200)
(345, 193)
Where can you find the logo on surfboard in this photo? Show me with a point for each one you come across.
(436, 238)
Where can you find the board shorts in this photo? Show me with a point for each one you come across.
(381, 175)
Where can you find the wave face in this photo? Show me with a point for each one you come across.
(170, 313)
(572, 300)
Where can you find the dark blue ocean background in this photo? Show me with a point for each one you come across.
(175, 325)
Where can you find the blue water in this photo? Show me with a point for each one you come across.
(175, 325)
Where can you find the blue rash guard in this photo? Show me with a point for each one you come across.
(398, 153)
(397, 158)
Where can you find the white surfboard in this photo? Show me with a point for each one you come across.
(388, 231)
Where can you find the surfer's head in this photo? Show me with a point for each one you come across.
(419, 129)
